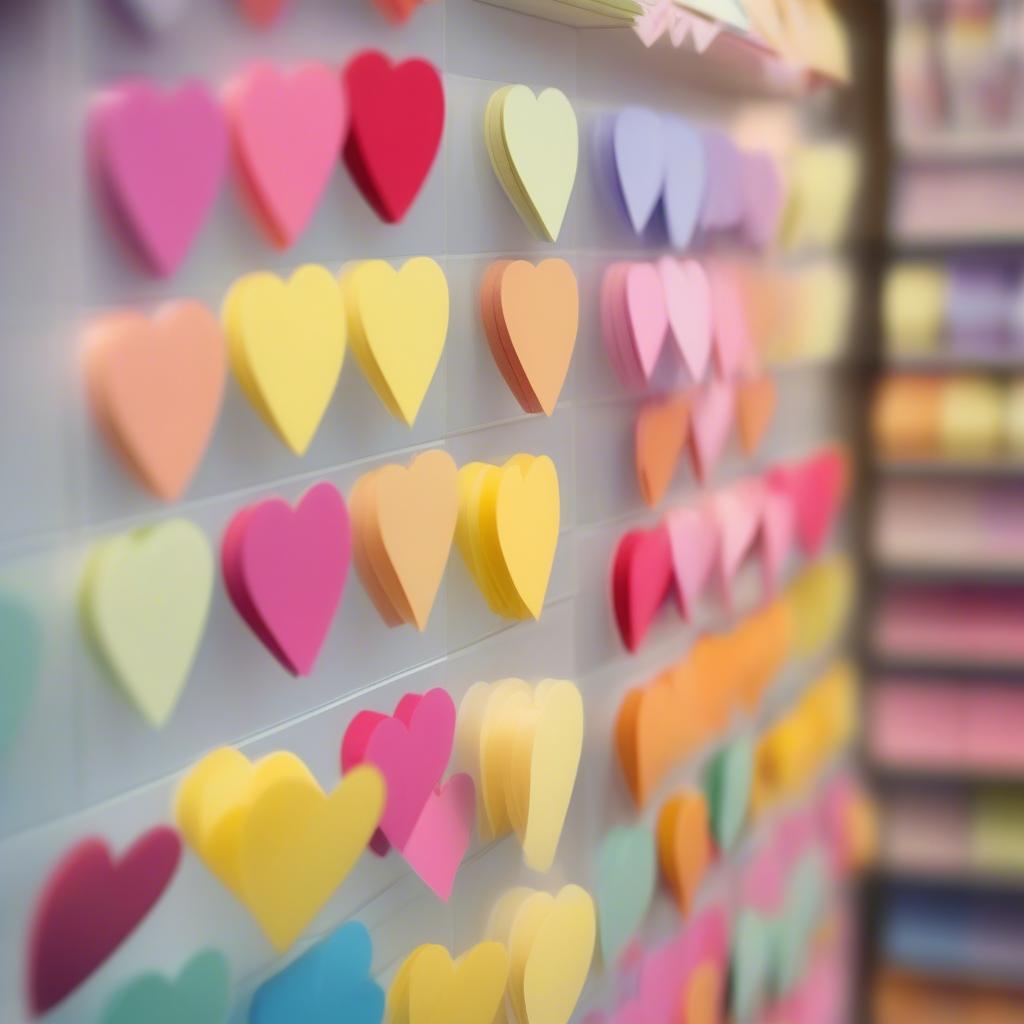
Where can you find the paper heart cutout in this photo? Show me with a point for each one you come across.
(647, 736)
(693, 537)
(287, 132)
(733, 343)
(646, 314)
(641, 580)
(397, 116)
(20, 640)
(399, 10)
(201, 993)
(711, 415)
(723, 207)
(162, 157)
(703, 996)
(661, 982)
(777, 533)
(626, 875)
(157, 386)
(738, 511)
(638, 150)
(686, 175)
(750, 965)
(685, 850)
(90, 904)
(756, 402)
(662, 429)
(817, 491)
(687, 293)
(764, 198)
(285, 570)
(273, 837)
(145, 600)
(287, 345)
(154, 15)
(330, 979)
(729, 779)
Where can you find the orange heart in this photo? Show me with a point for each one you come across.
(398, 10)
(156, 387)
(763, 643)
(756, 401)
(647, 736)
(702, 1000)
(662, 428)
(684, 844)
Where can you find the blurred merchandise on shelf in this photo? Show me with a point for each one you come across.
(905, 998)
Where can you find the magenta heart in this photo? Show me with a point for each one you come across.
(411, 749)
(285, 571)
(641, 580)
(162, 158)
(90, 905)
(817, 488)
(693, 535)
(711, 416)
(688, 305)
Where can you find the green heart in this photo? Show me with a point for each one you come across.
(201, 994)
(804, 903)
(19, 642)
(729, 778)
(750, 964)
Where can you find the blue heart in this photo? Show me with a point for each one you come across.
(19, 642)
(329, 983)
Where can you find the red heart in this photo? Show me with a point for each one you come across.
(397, 116)
(641, 580)
(90, 905)
(262, 13)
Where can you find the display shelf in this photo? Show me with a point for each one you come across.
(955, 362)
(1006, 144)
(950, 467)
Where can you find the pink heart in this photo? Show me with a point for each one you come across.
(411, 750)
(440, 837)
(763, 881)
(641, 580)
(732, 339)
(661, 982)
(818, 484)
(288, 130)
(90, 905)
(764, 198)
(646, 315)
(162, 158)
(777, 527)
(688, 307)
(711, 417)
(693, 535)
(285, 571)
(738, 511)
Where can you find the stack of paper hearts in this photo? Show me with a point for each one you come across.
(550, 940)
(531, 316)
(428, 822)
(398, 324)
(634, 320)
(403, 524)
(273, 837)
(507, 532)
(522, 744)
(285, 571)
(534, 143)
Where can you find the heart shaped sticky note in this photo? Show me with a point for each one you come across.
(687, 292)
(738, 514)
(398, 324)
(397, 116)
(685, 849)
(287, 345)
(711, 416)
(91, 903)
(431, 988)
(693, 538)
(626, 874)
(20, 640)
(733, 343)
(287, 131)
(821, 598)
(272, 835)
(145, 600)
(403, 526)
(641, 580)
(634, 320)
(533, 142)
(161, 157)
(756, 401)
(686, 175)
(285, 571)
(201, 993)
(531, 316)
(729, 779)
(750, 964)
(777, 528)
(156, 387)
(523, 745)
(662, 427)
(329, 980)
(647, 737)
(638, 151)
(507, 531)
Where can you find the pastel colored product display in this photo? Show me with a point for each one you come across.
(161, 157)
(685, 848)
(764, 196)
(914, 303)
(287, 130)
(641, 581)
(432, 988)
(397, 117)
(201, 993)
(712, 411)
(729, 779)
(21, 642)
(906, 416)
(634, 320)
(156, 388)
(403, 525)
(332, 977)
(533, 144)
(757, 400)
(522, 744)
(89, 906)
(397, 326)
(285, 570)
(662, 429)
(971, 418)
(145, 599)
(686, 180)
(277, 841)
(287, 340)
(550, 942)
(693, 540)
(507, 531)
(639, 158)
(531, 316)
(624, 887)
(1014, 417)
(689, 310)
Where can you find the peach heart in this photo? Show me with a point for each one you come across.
(662, 428)
(756, 402)
(156, 387)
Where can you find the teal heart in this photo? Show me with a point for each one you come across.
(730, 776)
(19, 658)
(626, 874)
(803, 905)
(750, 964)
(201, 994)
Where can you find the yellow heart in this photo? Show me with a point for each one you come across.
(271, 834)
(287, 346)
(398, 323)
(431, 988)
(821, 598)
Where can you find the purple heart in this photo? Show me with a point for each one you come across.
(639, 154)
(763, 198)
(724, 203)
(686, 175)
